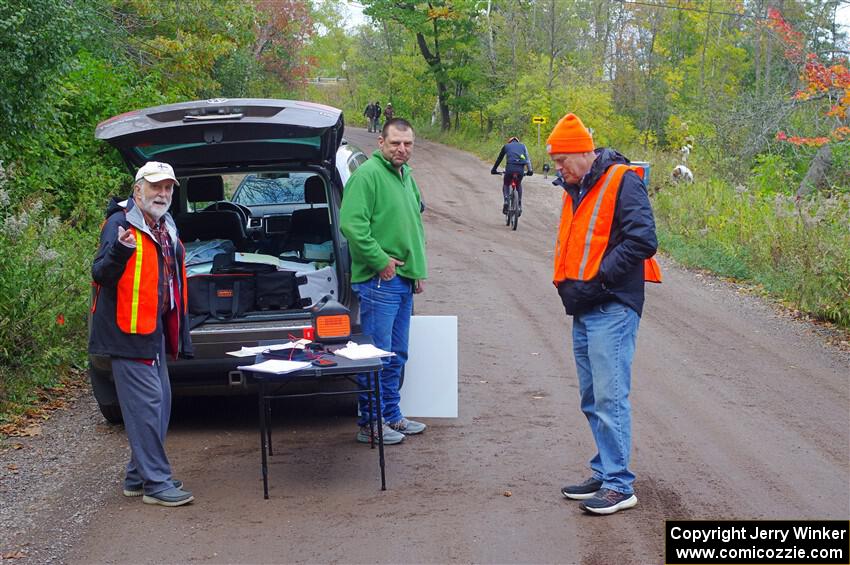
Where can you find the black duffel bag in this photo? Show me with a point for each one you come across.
(278, 290)
(227, 263)
(222, 296)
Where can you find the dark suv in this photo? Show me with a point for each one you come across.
(257, 176)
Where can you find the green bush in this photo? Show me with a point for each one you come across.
(52, 200)
(44, 267)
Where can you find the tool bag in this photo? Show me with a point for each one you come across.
(222, 296)
(274, 289)
(278, 290)
(228, 292)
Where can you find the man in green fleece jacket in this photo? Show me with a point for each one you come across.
(381, 219)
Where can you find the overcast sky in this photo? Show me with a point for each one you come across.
(844, 16)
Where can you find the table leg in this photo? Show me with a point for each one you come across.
(269, 425)
(371, 422)
(377, 389)
(265, 468)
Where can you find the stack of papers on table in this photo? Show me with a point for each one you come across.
(356, 351)
(276, 366)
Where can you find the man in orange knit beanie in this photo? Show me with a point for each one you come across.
(606, 233)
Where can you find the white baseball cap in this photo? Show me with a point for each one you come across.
(154, 171)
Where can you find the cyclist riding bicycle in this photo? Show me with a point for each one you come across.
(516, 161)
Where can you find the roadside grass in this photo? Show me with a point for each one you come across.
(798, 252)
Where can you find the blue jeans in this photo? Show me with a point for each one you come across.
(385, 309)
(604, 345)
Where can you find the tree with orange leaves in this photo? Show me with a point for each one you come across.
(822, 81)
(281, 28)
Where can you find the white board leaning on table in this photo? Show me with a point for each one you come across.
(430, 376)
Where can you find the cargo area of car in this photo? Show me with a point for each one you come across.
(275, 220)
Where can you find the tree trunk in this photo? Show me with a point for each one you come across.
(390, 93)
(704, 47)
(815, 178)
(491, 51)
(436, 66)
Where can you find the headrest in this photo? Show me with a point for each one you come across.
(314, 191)
(205, 189)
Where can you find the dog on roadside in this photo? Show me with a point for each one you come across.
(682, 174)
(685, 151)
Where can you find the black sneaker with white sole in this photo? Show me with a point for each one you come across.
(582, 491)
(608, 501)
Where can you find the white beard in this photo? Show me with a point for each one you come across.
(155, 211)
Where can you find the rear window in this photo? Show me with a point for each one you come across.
(151, 151)
(264, 189)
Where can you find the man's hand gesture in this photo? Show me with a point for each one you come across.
(126, 237)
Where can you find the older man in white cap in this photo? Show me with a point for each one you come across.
(138, 318)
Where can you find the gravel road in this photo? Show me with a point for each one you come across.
(740, 412)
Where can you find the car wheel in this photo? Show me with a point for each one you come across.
(112, 413)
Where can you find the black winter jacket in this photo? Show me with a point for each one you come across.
(105, 337)
(621, 275)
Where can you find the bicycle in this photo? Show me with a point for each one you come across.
(513, 212)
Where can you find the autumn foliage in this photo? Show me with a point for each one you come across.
(282, 27)
(820, 80)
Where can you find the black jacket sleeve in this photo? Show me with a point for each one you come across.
(633, 232)
(112, 256)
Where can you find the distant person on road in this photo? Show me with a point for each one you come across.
(369, 112)
(139, 317)
(376, 117)
(605, 237)
(381, 219)
(517, 161)
(389, 113)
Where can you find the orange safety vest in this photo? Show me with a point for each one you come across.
(583, 235)
(138, 288)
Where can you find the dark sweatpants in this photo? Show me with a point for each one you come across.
(145, 395)
(506, 185)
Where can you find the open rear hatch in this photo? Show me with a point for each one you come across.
(222, 134)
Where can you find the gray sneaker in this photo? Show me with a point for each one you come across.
(391, 436)
(169, 497)
(607, 501)
(582, 491)
(408, 427)
(139, 489)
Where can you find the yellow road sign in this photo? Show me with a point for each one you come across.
(538, 119)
